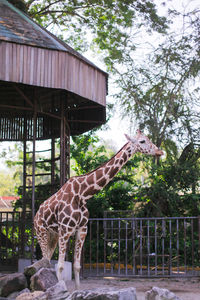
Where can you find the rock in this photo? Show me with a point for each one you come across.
(56, 292)
(6, 298)
(104, 294)
(15, 294)
(30, 296)
(32, 269)
(11, 283)
(43, 279)
(160, 294)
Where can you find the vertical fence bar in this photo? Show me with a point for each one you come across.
(97, 257)
(156, 248)
(192, 237)
(177, 243)
(199, 237)
(111, 269)
(133, 253)
(12, 234)
(6, 234)
(90, 247)
(148, 249)
(126, 248)
(140, 247)
(170, 247)
(163, 247)
(119, 246)
(185, 259)
(105, 243)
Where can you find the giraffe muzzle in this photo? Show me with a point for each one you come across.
(159, 152)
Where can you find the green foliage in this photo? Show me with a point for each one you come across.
(88, 154)
(7, 184)
(173, 187)
(107, 23)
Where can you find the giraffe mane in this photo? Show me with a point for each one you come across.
(103, 163)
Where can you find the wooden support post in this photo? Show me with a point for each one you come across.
(64, 144)
(33, 176)
(52, 165)
(24, 196)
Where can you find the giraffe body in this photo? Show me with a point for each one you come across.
(65, 213)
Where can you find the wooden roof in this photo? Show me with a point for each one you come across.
(16, 26)
(36, 64)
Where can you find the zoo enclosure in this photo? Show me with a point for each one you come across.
(142, 247)
(129, 247)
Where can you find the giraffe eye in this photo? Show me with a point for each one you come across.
(142, 142)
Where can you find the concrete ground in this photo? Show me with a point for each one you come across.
(185, 289)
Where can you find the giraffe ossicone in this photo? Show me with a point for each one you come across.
(65, 213)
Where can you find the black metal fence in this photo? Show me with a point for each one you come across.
(137, 247)
(11, 240)
(145, 247)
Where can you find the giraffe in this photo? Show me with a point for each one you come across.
(65, 213)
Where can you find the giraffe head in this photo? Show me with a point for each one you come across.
(141, 143)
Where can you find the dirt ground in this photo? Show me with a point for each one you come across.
(185, 289)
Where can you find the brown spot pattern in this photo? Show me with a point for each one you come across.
(76, 187)
(124, 156)
(83, 187)
(90, 179)
(101, 182)
(99, 174)
(113, 171)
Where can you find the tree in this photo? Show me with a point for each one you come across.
(161, 93)
(172, 188)
(107, 23)
(7, 184)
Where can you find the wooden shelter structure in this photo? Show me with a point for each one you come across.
(47, 91)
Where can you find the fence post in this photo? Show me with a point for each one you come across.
(199, 236)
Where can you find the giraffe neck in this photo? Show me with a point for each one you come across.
(100, 177)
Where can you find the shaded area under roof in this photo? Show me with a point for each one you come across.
(16, 111)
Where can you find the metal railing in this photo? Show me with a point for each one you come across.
(11, 239)
(145, 247)
(137, 247)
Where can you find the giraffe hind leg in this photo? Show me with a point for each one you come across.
(47, 241)
(80, 238)
(63, 239)
(52, 243)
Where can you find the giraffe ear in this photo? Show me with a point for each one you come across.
(129, 138)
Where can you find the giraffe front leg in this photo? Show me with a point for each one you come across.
(80, 238)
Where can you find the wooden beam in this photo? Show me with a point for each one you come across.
(84, 107)
(16, 107)
(23, 95)
(85, 121)
(50, 115)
